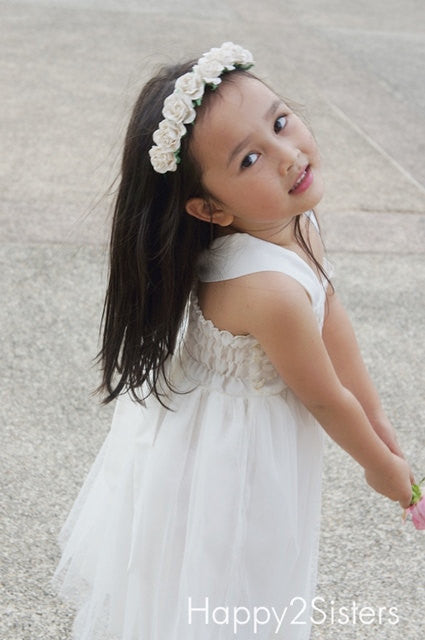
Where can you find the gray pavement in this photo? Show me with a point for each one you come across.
(69, 73)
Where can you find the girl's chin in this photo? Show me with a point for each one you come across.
(316, 192)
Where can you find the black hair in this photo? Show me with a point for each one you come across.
(154, 249)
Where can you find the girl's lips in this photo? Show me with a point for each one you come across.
(303, 182)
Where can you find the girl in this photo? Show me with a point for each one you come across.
(229, 353)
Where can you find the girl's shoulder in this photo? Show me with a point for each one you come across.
(231, 304)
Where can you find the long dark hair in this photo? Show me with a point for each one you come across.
(154, 248)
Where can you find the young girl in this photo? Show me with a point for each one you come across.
(229, 353)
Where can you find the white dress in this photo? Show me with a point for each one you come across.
(200, 521)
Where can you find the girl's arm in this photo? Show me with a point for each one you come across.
(280, 316)
(344, 352)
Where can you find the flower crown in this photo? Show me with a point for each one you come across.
(179, 107)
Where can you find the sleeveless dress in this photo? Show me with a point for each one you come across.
(201, 521)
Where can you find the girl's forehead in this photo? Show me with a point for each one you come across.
(242, 92)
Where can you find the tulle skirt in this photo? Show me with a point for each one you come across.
(197, 523)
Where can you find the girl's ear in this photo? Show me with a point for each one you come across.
(201, 209)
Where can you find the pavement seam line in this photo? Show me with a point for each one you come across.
(375, 145)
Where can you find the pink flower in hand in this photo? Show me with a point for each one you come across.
(417, 511)
(417, 507)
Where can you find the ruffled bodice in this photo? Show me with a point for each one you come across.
(236, 365)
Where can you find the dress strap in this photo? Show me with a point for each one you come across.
(312, 217)
(241, 254)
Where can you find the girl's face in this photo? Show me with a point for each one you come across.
(258, 160)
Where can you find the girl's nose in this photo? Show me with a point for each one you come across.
(287, 156)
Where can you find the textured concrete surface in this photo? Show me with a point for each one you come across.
(70, 71)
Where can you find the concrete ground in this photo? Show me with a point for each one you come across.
(70, 71)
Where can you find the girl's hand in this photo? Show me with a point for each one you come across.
(387, 433)
(393, 482)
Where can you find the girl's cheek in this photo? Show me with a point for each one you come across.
(314, 143)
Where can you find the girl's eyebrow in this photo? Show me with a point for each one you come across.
(270, 111)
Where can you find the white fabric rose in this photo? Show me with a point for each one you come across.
(178, 108)
(210, 70)
(168, 135)
(215, 55)
(222, 55)
(162, 160)
(237, 54)
(229, 55)
(191, 84)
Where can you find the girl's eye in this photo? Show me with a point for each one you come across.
(280, 124)
(249, 160)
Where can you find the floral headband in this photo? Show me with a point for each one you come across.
(179, 107)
